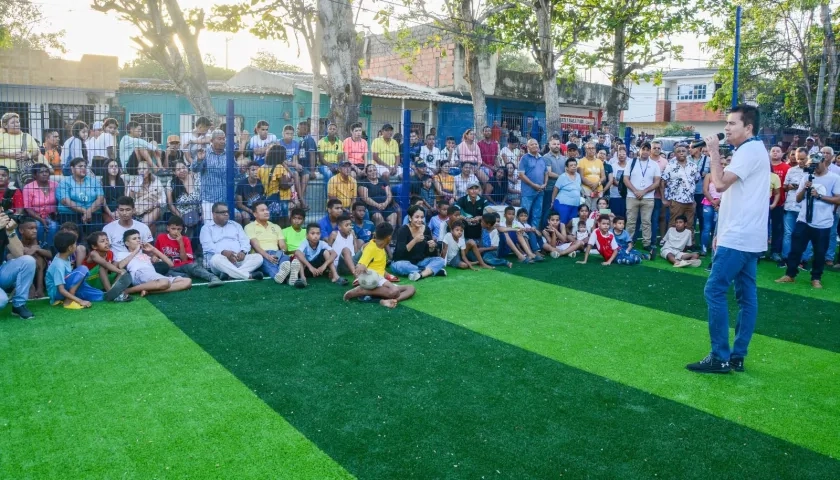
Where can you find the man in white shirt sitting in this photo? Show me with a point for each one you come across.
(225, 247)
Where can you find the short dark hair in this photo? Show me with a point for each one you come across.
(681, 217)
(297, 212)
(175, 220)
(77, 161)
(458, 223)
(489, 218)
(257, 204)
(359, 203)
(355, 126)
(94, 237)
(383, 231)
(645, 145)
(69, 226)
(619, 217)
(217, 204)
(129, 233)
(202, 122)
(343, 218)
(749, 115)
(452, 209)
(522, 211)
(603, 217)
(414, 199)
(553, 214)
(310, 226)
(333, 202)
(64, 240)
(125, 201)
(510, 209)
(573, 160)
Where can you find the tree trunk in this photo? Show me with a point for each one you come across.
(832, 66)
(545, 57)
(341, 54)
(618, 92)
(473, 77)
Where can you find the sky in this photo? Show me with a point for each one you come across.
(91, 32)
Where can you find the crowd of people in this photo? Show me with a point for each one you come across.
(99, 218)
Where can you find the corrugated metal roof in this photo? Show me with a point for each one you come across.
(149, 85)
(380, 88)
(690, 72)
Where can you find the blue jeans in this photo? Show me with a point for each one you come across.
(17, 273)
(654, 221)
(46, 235)
(533, 203)
(490, 258)
(790, 223)
(618, 206)
(624, 258)
(404, 267)
(832, 240)
(710, 216)
(271, 269)
(325, 172)
(85, 291)
(739, 267)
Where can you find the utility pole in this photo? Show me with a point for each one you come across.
(315, 116)
(737, 55)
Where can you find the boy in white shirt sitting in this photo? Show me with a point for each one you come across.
(674, 243)
(346, 246)
(455, 249)
(139, 264)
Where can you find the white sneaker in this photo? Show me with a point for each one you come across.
(573, 254)
(555, 254)
(681, 264)
(295, 271)
(694, 263)
(283, 272)
(414, 276)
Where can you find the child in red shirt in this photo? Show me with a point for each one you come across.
(178, 248)
(603, 241)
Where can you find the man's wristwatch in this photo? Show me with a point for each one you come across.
(13, 234)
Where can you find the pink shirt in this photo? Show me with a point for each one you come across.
(489, 152)
(34, 198)
(713, 193)
(356, 152)
(662, 165)
(468, 153)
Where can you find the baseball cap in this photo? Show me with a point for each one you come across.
(387, 126)
(369, 280)
(474, 184)
(96, 126)
(344, 162)
(809, 139)
(420, 163)
(173, 139)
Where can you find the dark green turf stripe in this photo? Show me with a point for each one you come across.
(782, 315)
(401, 394)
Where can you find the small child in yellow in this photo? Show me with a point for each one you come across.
(371, 273)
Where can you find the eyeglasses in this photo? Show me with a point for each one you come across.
(224, 212)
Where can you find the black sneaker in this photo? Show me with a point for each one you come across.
(804, 267)
(22, 312)
(782, 263)
(710, 364)
(736, 363)
(257, 276)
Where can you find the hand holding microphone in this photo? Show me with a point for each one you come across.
(713, 141)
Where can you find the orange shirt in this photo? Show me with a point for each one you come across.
(356, 152)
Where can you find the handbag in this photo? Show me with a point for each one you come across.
(622, 188)
(25, 170)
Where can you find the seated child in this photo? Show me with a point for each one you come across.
(28, 230)
(371, 272)
(627, 255)
(603, 241)
(343, 242)
(530, 235)
(313, 255)
(362, 228)
(139, 264)
(488, 248)
(603, 209)
(555, 238)
(178, 249)
(68, 285)
(583, 213)
(78, 257)
(294, 234)
(513, 240)
(453, 214)
(103, 270)
(436, 222)
(674, 243)
(455, 249)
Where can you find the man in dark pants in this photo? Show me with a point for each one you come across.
(695, 154)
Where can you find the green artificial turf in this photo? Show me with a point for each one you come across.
(782, 315)
(789, 391)
(119, 392)
(402, 394)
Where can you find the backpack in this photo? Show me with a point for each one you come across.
(622, 188)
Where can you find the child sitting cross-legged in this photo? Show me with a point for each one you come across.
(28, 229)
(78, 257)
(455, 249)
(674, 243)
(345, 245)
(488, 248)
(68, 285)
(555, 238)
(511, 240)
(530, 236)
(603, 241)
(178, 249)
(371, 272)
(104, 272)
(138, 261)
(314, 256)
(627, 255)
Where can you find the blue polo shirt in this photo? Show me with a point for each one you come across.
(82, 194)
(534, 168)
(326, 226)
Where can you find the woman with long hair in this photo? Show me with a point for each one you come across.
(148, 194)
(113, 187)
(80, 197)
(75, 146)
(183, 197)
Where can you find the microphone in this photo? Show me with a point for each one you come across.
(702, 143)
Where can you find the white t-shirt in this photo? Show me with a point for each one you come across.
(453, 248)
(795, 176)
(643, 175)
(72, 149)
(256, 142)
(431, 157)
(188, 142)
(675, 240)
(115, 233)
(827, 185)
(742, 219)
(618, 171)
(127, 146)
(510, 156)
(340, 243)
(139, 263)
(98, 147)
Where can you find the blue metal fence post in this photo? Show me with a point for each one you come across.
(628, 138)
(230, 160)
(405, 189)
(737, 56)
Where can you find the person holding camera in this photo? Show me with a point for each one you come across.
(817, 196)
(18, 272)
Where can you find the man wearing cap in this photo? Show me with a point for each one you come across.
(472, 208)
(172, 153)
(343, 186)
(812, 145)
(386, 153)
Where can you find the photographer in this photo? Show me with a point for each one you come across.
(817, 198)
(18, 272)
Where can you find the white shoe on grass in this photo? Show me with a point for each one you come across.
(294, 272)
(414, 276)
(283, 272)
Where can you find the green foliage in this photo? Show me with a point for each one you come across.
(142, 67)
(517, 61)
(675, 129)
(267, 61)
(22, 24)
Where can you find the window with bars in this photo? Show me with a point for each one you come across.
(691, 92)
(152, 124)
(63, 116)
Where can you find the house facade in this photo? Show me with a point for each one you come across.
(681, 97)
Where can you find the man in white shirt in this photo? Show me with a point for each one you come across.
(741, 238)
(226, 247)
(431, 154)
(100, 144)
(642, 180)
(816, 227)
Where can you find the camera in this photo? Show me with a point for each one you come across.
(813, 160)
(13, 216)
